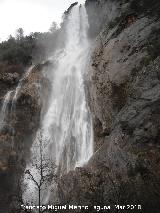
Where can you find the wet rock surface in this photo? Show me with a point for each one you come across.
(124, 97)
(123, 88)
(17, 134)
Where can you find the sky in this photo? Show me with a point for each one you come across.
(31, 15)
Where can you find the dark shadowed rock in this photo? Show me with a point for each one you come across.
(124, 96)
(17, 134)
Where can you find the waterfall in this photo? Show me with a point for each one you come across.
(4, 111)
(9, 104)
(67, 123)
(18, 88)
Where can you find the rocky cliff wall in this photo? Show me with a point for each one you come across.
(23, 114)
(124, 96)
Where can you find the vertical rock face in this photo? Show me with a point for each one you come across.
(16, 135)
(124, 97)
(100, 13)
(123, 85)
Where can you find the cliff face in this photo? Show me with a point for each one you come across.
(123, 84)
(22, 118)
(124, 96)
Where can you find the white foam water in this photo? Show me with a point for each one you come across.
(4, 109)
(67, 124)
(18, 88)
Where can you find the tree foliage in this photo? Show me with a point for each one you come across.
(31, 48)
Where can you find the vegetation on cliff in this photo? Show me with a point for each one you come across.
(123, 86)
(24, 50)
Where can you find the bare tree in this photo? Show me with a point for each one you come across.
(44, 167)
